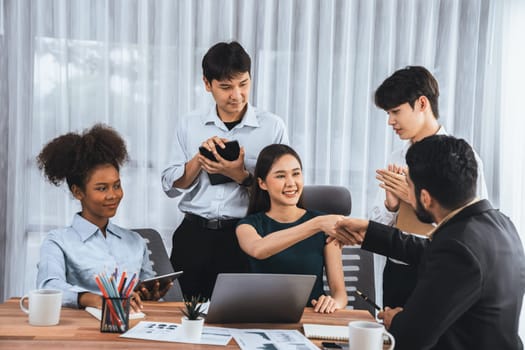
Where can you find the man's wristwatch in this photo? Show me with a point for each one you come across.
(247, 182)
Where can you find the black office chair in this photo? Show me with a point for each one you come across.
(161, 261)
(358, 264)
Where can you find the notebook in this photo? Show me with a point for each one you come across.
(326, 332)
(97, 313)
(259, 298)
(321, 331)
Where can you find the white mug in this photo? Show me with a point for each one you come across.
(365, 335)
(44, 306)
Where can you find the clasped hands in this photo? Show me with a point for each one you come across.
(394, 182)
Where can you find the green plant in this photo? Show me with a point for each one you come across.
(193, 307)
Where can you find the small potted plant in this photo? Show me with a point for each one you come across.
(192, 321)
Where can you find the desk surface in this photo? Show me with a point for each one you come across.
(80, 330)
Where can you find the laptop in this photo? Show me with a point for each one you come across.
(259, 298)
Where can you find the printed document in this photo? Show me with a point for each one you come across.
(282, 339)
(171, 332)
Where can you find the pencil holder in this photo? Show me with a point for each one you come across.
(115, 315)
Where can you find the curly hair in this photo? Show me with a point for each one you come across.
(73, 156)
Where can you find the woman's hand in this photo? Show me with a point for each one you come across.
(136, 302)
(325, 304)
(90, 299)
(327, 224)
(154, 293)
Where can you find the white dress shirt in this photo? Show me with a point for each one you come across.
(224, 201)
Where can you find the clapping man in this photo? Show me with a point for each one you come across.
(410, 98)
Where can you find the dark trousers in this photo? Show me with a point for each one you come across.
(204, 253)
(398, 283)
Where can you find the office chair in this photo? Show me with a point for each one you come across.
(160, 260)
(358, 264)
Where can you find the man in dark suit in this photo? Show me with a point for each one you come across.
(472, 270)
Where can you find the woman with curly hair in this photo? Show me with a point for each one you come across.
(70, 257)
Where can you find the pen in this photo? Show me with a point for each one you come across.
(368, 300)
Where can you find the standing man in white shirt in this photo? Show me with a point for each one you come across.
(410, 98)
(205, 243)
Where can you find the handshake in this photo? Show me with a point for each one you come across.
(346, 230)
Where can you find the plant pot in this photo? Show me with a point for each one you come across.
(191, 330)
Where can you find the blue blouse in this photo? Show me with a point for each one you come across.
(71, 257)
(305, 257)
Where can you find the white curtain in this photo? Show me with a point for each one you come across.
(512, 161)
(135, 65)
(512, 148)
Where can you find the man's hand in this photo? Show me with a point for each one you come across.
(214, 141)
(351, 231)
(393, 181)
(233, 169)
(328, 224)
(388, 314)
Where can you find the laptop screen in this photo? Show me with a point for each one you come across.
(259, 298)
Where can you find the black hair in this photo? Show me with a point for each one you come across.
(224, 61)
(444, 166)
(407, 85)
(73, 156)
(259, 198)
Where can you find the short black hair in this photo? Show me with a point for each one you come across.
(224, 61)
(407, 85)
(446, 167)
(73, 156)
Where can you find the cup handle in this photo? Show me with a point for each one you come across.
(392, 340)
(24, 309)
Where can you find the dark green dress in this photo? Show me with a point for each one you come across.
(303, 258)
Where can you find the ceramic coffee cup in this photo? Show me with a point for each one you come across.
(44, 306)
(365, 335)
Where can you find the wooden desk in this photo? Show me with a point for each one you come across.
(80, 330)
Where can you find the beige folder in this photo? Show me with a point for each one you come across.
(407, 221)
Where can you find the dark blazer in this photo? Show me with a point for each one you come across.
(471, 282)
